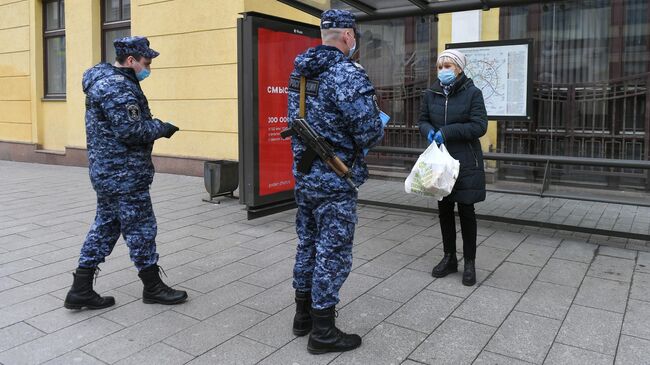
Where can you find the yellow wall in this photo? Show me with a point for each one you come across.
(277, 9)
(444, 31)
(83, 50)
(193, 82)
(15, 73)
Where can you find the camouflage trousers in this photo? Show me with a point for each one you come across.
(325, 228)
(130, 215)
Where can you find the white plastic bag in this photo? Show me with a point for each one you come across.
(434, 174)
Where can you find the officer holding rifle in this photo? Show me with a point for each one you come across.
(333, 118)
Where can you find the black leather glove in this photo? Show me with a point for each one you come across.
(170, 129)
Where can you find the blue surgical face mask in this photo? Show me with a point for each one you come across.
(143, 74)
(446, 76)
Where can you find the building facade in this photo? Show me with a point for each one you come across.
(591, 71)
(46, 45)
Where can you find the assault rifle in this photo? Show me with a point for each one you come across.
(317, 146)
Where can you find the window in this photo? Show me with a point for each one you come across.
(54, 43)
(590, 89)
(636, 33)
(399, 56)
(116, 23)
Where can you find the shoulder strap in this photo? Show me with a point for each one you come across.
(303, 82)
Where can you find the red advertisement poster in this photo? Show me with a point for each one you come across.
(276, 53)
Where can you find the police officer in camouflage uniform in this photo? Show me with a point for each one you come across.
(340, 106)
(120, 132)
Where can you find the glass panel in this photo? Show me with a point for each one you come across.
(126, 9)
(590, 90)
(111, 10)
(55, 48)
(109, 36)
(387, 4)
(575, 37)
(52, 15)
(590, 76)
(339, 4)
(636, 55)
(399, 56)
(62, 14)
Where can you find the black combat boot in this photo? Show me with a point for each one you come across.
(82, 294)
(155, 291)
(469, 275)
(447, 265)
(325, 337)
(302, 319)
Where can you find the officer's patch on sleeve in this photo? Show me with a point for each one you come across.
(134, 112)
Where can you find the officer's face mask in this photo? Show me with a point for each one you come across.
(353, 48)
(141, 71)
(143, 74)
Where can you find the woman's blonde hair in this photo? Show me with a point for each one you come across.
(444, 59)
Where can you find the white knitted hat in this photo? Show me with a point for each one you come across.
(456, 56)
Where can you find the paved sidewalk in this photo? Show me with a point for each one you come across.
(619, 219)
(544, 296)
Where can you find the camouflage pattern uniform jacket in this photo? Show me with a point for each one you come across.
(344, 112)
(120, 130)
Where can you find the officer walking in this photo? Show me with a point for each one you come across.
(340, 105)
(120, 133)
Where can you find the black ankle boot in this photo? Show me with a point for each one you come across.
(302, 319)
(155, 291)
(469, 275)
(325, 337)
(81, 293)
(446, 266)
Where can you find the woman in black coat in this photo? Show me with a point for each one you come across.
(453, 113)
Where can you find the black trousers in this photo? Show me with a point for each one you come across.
(467, 227)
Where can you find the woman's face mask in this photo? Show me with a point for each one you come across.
(447, 73)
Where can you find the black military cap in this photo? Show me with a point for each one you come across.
(337, 18)
(135, 45)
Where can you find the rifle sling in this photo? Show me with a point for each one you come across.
(303, 82)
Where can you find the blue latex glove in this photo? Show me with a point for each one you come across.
(439, 138)
(430, 136)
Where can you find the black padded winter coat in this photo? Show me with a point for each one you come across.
(462, 118)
